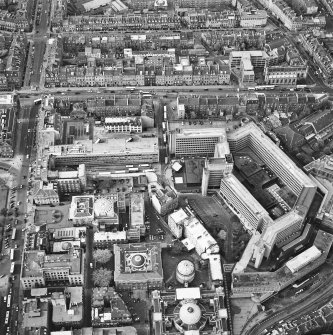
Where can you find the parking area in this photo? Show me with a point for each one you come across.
(221, 223)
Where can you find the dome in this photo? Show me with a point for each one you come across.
(103, 207)
(66, 245)
(190, 313)
(138, 260)
(185, 267)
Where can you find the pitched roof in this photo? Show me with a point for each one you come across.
(289, 136)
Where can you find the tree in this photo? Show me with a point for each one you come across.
(4, 211)
(102, 255)
(102, 277)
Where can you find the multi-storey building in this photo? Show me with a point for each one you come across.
(253, 216)
(81, 211)
(252, 18)
(114, 151)
(202, 4)
(137, 226)
(16, 61)
(284, 13)
(69, 181)
(246, 283)
(199, 238)
(164, 200)
(138, 266)
(194, 139)
(123, 125)
(135, 22)
(258, 58)
(176, 222)
(39, 268)
(215, 168)
(281, 75)
(308, 7)
(320, 54)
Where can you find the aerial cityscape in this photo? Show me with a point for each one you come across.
(166, 167)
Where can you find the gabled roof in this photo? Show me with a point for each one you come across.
(289, 136)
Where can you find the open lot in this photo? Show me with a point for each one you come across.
(221, 223)
(191, 174)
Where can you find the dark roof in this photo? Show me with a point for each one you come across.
(321, 120)
(289, 136)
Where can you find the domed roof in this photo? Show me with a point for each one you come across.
(185, 267)
(66, 245)
(138, 260)
(104, 207)
(190, 313)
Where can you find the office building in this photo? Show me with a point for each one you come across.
(195, 138)
(40, 268)
(250, 212)
(164, 200)
(81, 211)
(67, 307)
(253, 18)
(215, 168)
(113, 151)
(176, 222)
(198, 237)
(138, 266)
(123, 124)
(137, 226)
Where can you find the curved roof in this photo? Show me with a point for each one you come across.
(104, 207)
(185, 267)
(190, 313)
(138, 260)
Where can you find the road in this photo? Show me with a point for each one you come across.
(309, 303)
(39, 43)
(24, 144)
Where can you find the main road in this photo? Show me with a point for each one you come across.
(311, 302)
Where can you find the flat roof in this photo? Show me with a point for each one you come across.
(303, 258)
(178, 216)
(115, 146)
(286, 162)
(188, 293)
(95, 4)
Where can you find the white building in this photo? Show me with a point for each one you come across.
(199, 237)
(176, 222)
(303, 259)
(253, 18)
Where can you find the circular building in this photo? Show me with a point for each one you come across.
(138, 260)
(185, 271)
(189, 315)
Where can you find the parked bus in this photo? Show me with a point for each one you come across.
(144, 165)
(163, 126)
(131, 88)
(9, 298)
(164, 138)
(12, 254)
(7, 318)
(133, 169)
(264, 87)
(12, 267)
(296, 285)
(14, 234)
